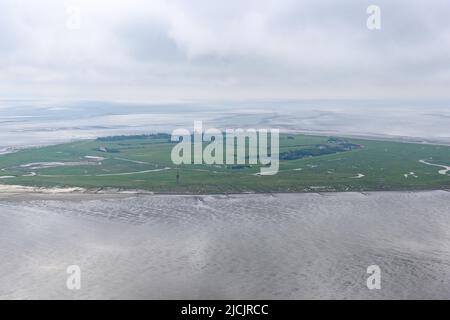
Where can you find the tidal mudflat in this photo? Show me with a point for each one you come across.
(254, 246)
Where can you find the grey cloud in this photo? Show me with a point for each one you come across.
(217, 49)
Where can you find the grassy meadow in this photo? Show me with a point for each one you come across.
(145, 163)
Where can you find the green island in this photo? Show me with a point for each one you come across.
(307, 164)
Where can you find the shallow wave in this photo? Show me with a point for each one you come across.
(241, 246)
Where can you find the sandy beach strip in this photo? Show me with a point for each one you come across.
(23, 193)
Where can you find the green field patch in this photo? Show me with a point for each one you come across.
(308, 164)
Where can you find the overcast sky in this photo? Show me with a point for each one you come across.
(234, 49)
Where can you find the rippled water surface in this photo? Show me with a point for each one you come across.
(239, 246)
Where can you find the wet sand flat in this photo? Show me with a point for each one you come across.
(255, 246)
